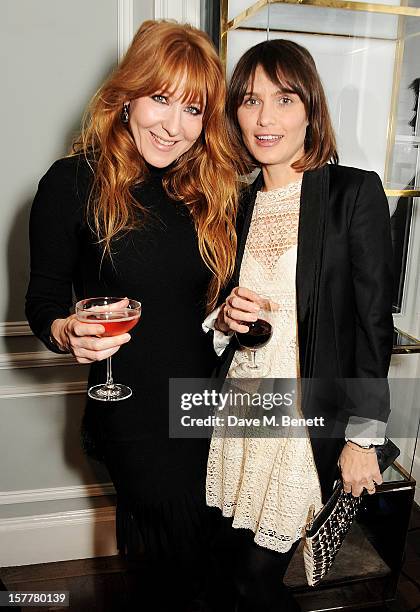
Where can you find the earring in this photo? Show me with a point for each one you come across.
(124, 113)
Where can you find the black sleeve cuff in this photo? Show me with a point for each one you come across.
(47, 338)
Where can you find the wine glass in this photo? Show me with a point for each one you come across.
(118, 316)
(258, 335)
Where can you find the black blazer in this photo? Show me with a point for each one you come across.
(344, 300)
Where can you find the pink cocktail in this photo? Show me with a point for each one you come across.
(115, 324)
(117, 316)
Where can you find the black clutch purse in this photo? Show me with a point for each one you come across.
(326, 531)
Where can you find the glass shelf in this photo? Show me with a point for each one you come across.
(395, 473)
(367, 59)
(316, 19)
(239, 10)
(404, 343)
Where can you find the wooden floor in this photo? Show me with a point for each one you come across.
(104, 584)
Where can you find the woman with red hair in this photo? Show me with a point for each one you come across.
(136, 211)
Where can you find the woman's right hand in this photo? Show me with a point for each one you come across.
(84, 341)
(240, 307)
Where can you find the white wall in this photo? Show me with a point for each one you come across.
(55, 55)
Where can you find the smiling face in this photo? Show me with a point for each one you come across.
(273, 122)
(164, 126)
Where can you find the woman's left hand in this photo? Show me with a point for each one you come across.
(359, 470)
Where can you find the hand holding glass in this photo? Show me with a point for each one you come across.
(259, 333)
(117, 315)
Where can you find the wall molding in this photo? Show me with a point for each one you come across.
(35, 359)
(161, 9)
(47, 389)
(125, 26)
(15, 328)
(61, 536)
(40, 521)
(56, 493)
(184, 11)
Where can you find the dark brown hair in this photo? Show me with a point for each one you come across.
(292, 68)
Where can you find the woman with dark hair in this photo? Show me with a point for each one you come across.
(136, 211)
(315, 237)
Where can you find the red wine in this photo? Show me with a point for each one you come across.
(258, 335)
(115, 324)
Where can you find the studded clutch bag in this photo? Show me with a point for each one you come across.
(326, 531)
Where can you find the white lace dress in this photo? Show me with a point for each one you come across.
(268, 484)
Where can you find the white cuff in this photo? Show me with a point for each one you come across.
(365, 431)
(220, 340)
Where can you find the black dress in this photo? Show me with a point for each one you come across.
(160, 482)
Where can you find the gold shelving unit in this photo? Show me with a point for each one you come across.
(241, 21)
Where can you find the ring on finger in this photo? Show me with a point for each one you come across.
(229, 313)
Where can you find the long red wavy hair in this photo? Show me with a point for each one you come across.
(162, 56)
